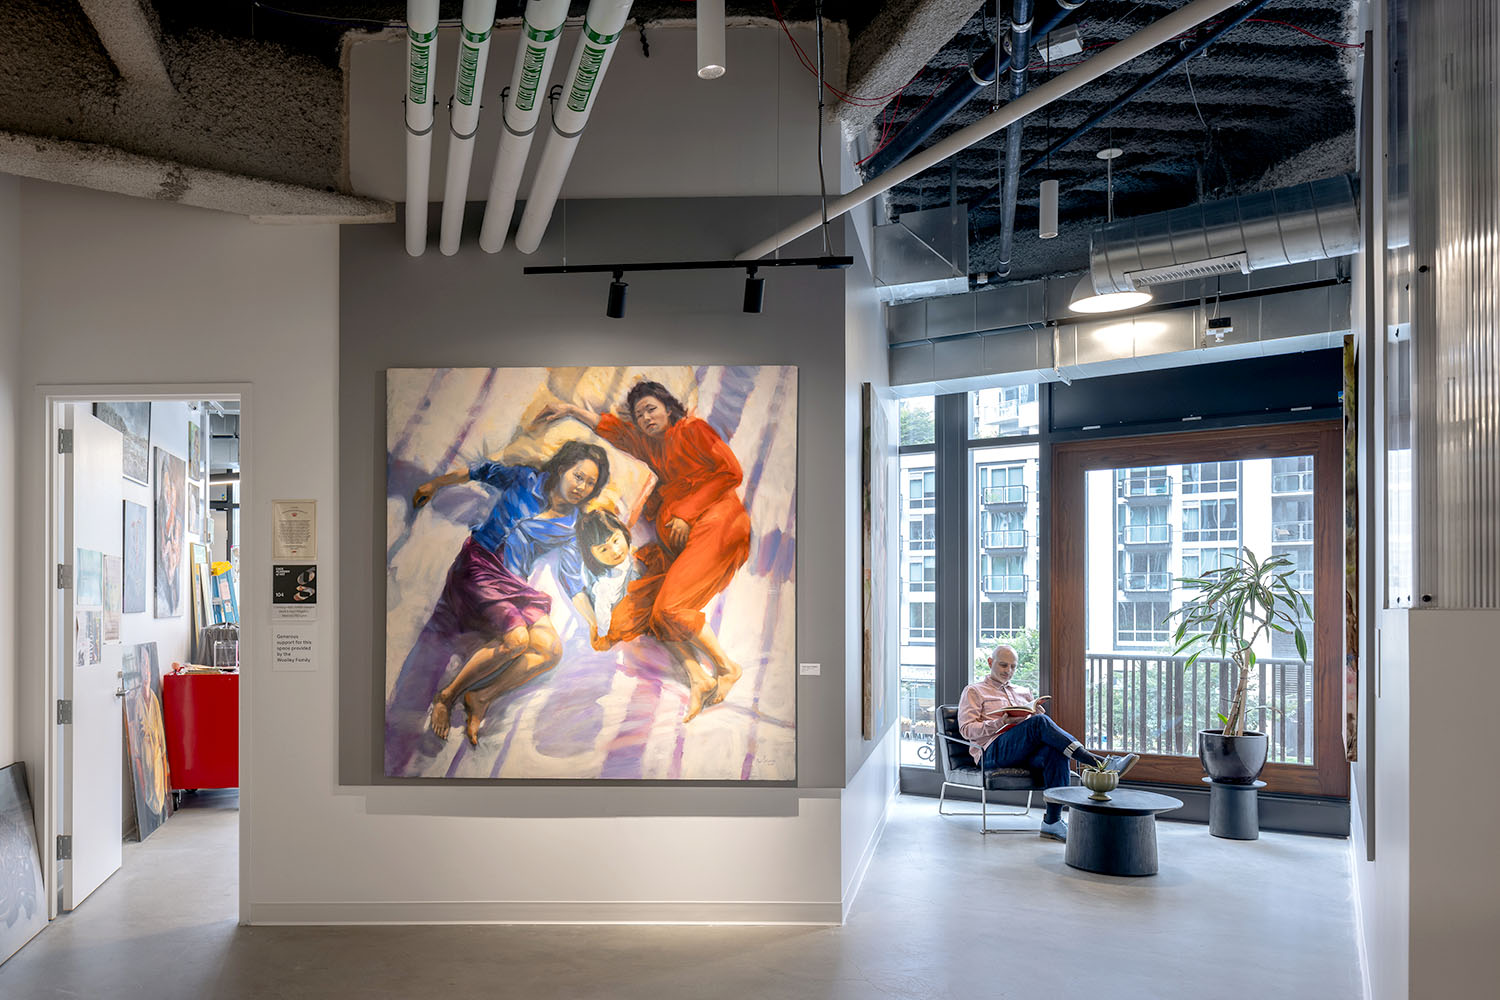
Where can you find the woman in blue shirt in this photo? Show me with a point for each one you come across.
(488, 592)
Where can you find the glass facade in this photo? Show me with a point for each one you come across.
(918, 561)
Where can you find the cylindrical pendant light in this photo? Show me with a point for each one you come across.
(1047, 210)
(710, 39)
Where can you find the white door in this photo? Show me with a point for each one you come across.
(93, 522)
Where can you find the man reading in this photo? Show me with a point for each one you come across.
(1010, 728)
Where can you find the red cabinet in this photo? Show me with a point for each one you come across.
(202, 722)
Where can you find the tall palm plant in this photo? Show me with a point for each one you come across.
(1236, 606)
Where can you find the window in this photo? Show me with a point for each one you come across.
(921, 488)
(923, 575)
(1000, 619)
(922, 618)
(916, 421)
(1007, 411)
(922, 533)
(1146, 481)
(1210, 521)
(1117, 680)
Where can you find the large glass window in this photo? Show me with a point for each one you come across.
(1003, 524)
(1007, 411)
(917, 617)
(1139, 695)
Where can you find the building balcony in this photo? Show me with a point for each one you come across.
(1005, 583)
(1146, 534)
(1013, 538)
(1292, 482)
(995, 496)
(1283, 532)
(1146, 583)
(1142, 488)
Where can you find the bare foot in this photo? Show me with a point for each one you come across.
(724, 682)
(440, 717)
(696, 694)
(474, 710)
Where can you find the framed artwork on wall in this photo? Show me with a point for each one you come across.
(590, 573)
(195, 450)
(876, 569)
(133, 420)
(171, 488)
(137, 549)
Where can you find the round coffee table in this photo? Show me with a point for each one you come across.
(1117, 837)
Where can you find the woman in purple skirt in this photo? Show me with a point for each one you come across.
(488, 598)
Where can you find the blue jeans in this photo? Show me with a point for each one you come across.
(1036, 742)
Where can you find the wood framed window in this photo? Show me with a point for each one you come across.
(1132, 516)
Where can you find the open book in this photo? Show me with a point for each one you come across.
(1021, 711)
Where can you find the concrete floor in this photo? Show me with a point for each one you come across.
(944, 913)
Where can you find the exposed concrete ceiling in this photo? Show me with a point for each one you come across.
(241, 105)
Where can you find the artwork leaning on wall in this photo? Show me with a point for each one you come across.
(590, 573)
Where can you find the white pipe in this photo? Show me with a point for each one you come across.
(596, 44)
(711, 63)
(541, 35)
(1117, 55)
(421, 47)
(463, 116)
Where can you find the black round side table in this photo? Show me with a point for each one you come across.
(1234, 810)
(1117, 837)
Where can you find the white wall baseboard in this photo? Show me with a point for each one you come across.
(1359, 920)
(868, 854)
(544, 912)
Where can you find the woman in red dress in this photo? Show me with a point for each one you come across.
(702, 530)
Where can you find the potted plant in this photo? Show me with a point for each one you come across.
(1236, 606)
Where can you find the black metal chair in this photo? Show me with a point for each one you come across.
(960, 771)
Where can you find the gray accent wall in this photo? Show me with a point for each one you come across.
(478, 310)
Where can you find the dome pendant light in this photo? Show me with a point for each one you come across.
(1087, 299)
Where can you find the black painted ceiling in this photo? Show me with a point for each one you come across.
(1267, 105)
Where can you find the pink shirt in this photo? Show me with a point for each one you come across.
(979, 712)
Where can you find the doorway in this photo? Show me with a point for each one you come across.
(144, 489)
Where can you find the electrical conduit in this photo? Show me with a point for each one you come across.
(596, 45)
(463, 116)
(421, 48)
(541, 35)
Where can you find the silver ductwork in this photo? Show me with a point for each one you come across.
(1306, 222)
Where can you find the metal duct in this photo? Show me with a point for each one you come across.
(1315, 221)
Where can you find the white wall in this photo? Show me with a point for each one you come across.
(750, 132)
(259, 306)
(10, 411)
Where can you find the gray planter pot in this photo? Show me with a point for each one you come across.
(1233, 760)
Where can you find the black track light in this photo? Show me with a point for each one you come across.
(755, 291)
(616, 307)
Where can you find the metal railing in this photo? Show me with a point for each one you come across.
(1144, 486)
(1003, 494)
(1006, 538)
(1156, 703)
(1291, 531)
(1153, 582)
(1292, 482)
(1005, 583)
(1146, 534)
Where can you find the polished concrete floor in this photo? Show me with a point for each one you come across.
(944, 913)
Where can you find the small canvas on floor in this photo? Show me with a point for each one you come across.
(141, 679)
(23, 898)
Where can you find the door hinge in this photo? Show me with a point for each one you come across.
(64, 441)
(64, 576)
(65, 847)
(64, 711)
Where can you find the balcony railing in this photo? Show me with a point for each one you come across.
(1156, 703)
(1146, 534)
(1003, 495)
(1006, 538)
(1291, 531)
(1152, 582)
(1292, 482)
(1005, 583)
(1145, 487)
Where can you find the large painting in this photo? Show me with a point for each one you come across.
(876, 479)
(133, 420)
(140, 677)
(171, 490)
(137, 549)
(590, 573)
(23, 897)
